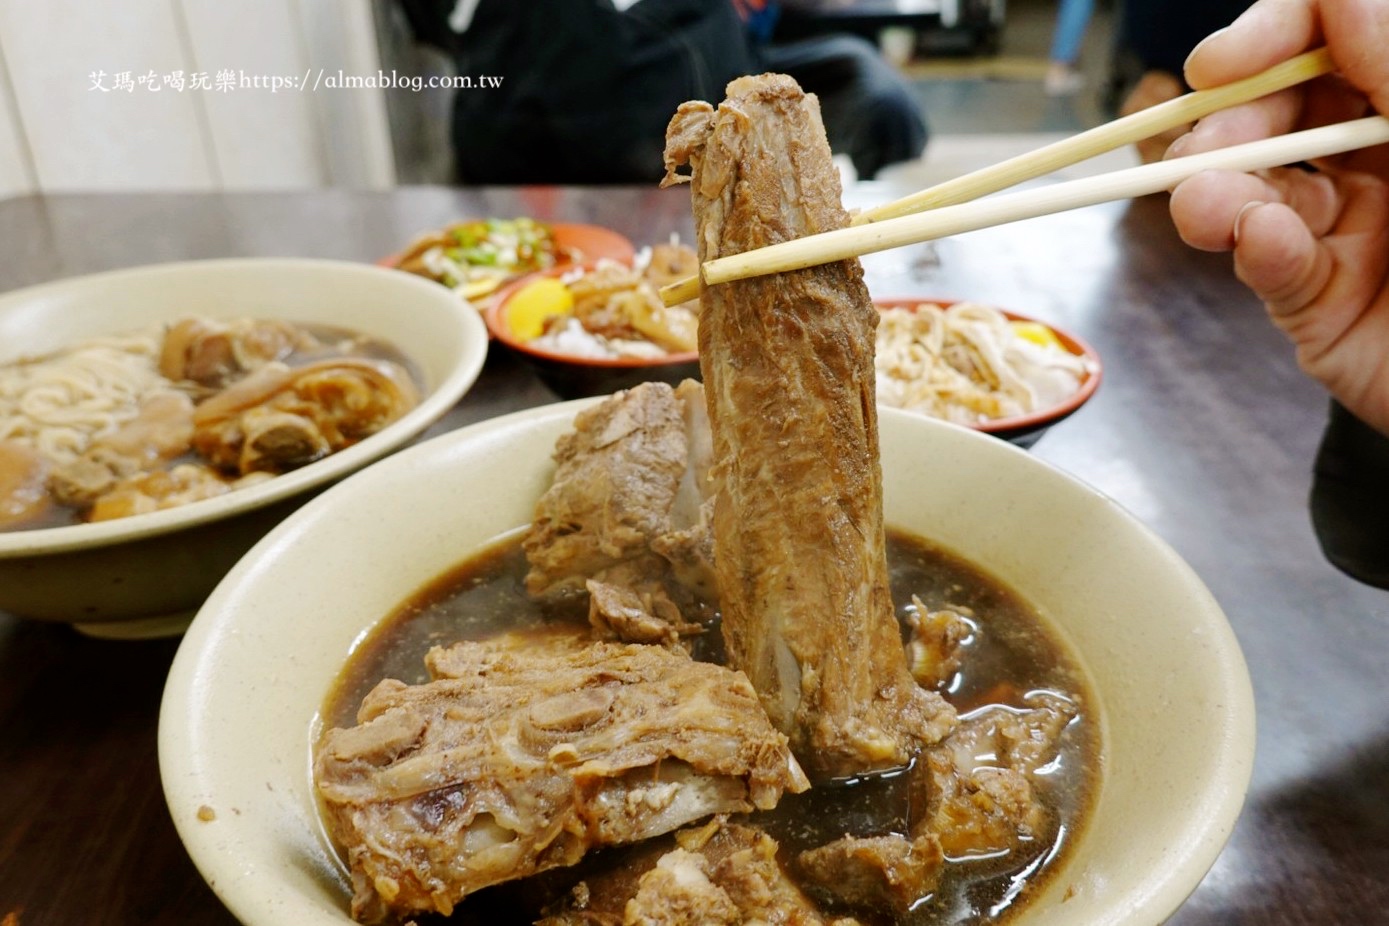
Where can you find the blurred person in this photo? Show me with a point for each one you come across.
(1158, 35)
(590, 85)
(587, 86)
(868, 108)
(1072, 18)
(1313, 244)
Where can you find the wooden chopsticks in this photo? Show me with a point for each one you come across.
(1125, 131)
(1123, 184)
(886, 226)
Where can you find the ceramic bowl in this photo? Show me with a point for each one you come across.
(1170, 688)
(146, 574)
(573, 377)
(1026, 430)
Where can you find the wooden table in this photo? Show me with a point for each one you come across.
(1203, 428)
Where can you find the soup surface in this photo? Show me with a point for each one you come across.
(1010, 654)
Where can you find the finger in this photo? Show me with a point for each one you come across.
(1332, 99)
(1357, 32)
(1328, 295)
(1205, 208)
(1269, 32)
(1278, 257)
(1317, 285)
(1272, 115)
(1326, 101)
(1357, 242)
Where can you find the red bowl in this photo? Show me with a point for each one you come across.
(1026, 430)
(587, 242)
(573, 377)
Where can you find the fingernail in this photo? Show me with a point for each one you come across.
(1239, 217)
(1202, 44)
(1177, 148)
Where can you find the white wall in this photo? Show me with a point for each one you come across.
(16, 171)
(58, 133)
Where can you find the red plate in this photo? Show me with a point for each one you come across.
(573, 377)
(577, 243)
(1025, 430)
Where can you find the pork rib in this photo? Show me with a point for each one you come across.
(787, 361)
(525, 753)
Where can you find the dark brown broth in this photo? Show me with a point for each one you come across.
(334, 342)
(1013, 654)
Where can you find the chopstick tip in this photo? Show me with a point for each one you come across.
(680, 291)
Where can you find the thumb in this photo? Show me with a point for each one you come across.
(1278, 257)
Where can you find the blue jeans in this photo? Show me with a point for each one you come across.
(1071, 21)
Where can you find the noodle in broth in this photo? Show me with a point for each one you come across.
(123, 425)
(57, 405)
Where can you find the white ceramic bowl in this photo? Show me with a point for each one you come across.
(1175, 707)
(139, 575)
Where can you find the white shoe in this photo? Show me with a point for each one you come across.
(1063, 81)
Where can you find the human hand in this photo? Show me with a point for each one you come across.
(1313, 245)
(1154, 88)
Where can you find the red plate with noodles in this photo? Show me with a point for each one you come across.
(990, 369)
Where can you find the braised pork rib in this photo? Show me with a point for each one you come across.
(759, 496)
(718, 874)
(630, 484)
(522, 756)
(787, 362)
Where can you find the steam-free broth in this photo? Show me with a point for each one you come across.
(1012, 653)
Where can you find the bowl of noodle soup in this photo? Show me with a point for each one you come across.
(80, 366)
(987, 368)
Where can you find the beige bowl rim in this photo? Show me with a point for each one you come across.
(467, 365)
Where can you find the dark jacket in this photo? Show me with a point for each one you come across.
(587, 90)
(1161, 33)
(1350, 498)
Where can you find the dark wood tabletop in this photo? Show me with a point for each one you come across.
(1203, 428)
